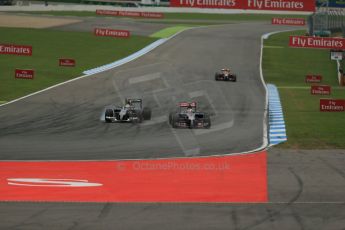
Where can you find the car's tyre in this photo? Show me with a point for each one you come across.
(140, 118)
(108, 113)
(216, 76)
(173, 120)
(208, 120)
(171, 117)
(235, 78)
(146, 114)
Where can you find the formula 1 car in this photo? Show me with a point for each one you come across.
(133, 111)
(187, 116)
(225, 75)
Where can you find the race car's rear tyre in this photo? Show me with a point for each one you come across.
(174, 118)
(108, 113)
(140, 118)
(171, 117)
(208, 120)
(216, 77)
(146, 113)
(235, 78)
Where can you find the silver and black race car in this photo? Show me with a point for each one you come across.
(187, 116)
(132, 111)
(225, 75)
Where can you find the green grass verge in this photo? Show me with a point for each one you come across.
(307, 127)
(178, 16)
(88, 50)
(167, 32)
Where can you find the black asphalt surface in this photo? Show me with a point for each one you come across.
(64, 123)
(306, 188)
(306, 191)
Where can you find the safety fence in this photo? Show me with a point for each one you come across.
(326, 21)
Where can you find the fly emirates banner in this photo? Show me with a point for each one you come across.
(280, 5)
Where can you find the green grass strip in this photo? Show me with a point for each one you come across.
(307, 127)
(88, 50)
(168, 32)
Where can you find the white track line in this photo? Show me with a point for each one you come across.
(144, 78)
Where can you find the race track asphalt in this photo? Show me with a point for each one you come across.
(64, 123)
(306, 191)
(306, 188)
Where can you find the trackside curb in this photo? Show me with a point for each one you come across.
(126, 59)
(277, 129)
(270, 134)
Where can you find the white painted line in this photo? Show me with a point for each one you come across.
(278, 135)
(195, 94)
(275, 105)
(277, 120)
(147, 77)
(277, 130)
(277, 123)
(265, 121)
(277, 126)
(276, 110)
(117, 90)
(157, 100)
(266, 36)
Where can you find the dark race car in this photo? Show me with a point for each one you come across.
(132, 111)
(225, 75)
(187, 116)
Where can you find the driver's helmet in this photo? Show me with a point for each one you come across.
(127, 106)
(189, 109)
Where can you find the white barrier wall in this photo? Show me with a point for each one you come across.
(80, 7)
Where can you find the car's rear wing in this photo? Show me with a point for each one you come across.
(131, 100)
(135, 103)
(187, 104)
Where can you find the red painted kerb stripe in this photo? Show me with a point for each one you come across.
(240, 178)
